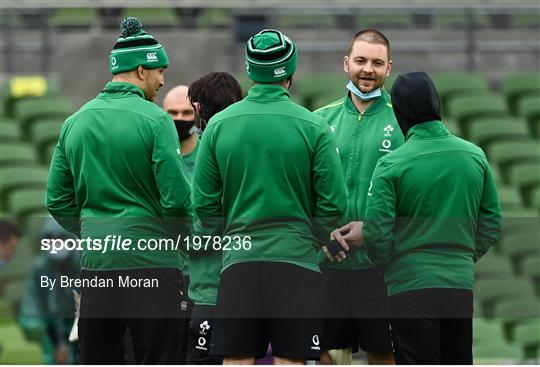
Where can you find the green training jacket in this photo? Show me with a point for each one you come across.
(432, 211)
(361, 139)
(269, 169)
(117, 170)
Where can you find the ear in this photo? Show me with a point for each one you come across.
(389, 68)
(140, 72)
(346, 64)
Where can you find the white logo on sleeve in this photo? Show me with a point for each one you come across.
(369, 190)
(315, 341)
(151, 57)
(333, 128)
(179, 151)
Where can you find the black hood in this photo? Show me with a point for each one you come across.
(415, 100)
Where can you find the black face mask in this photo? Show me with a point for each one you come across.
(184, 128)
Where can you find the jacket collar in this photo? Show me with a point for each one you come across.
(122, 87)
(381, 102)
(262, 92)
(428, 129)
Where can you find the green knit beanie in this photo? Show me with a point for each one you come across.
(270, 57)
(136, 47)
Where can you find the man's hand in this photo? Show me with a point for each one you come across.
(349, 235)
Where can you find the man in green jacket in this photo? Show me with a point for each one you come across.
(268, 182)
(432, 212)
(117, 179)
(209, 95)
(365, 129)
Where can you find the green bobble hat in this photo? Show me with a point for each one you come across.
(270, 57)
(136, 47)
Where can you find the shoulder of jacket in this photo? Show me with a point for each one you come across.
(330, 107)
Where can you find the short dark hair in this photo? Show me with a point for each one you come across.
(214, 92)
(370, 35)
(8, 230)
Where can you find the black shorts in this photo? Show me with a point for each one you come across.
(432, 326)
(268, 302)
(200, 335)
(356, 310)
(152, 316)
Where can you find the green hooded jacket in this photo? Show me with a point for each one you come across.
(117, 170)
(432, 211)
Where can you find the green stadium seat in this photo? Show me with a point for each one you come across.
(30, 110)
(21, 177)
(450, 85)
(18, 351)
(70, 18)
(484, 131)
(509, 197)
(519, 246)
(24, 202)
(27, 87)
(516, 311)
(10, 132)
(507, 153)
(153, 17)
(389, 82)
(17, 154)
(528, 336)
(492, 266)
(525, 176)
(529, 108)
(491, 291)
(496, 175)
(520, 221)
(497, 353)
(486, 332)
(535, 195)
(466, 108)
(530, 267)
(45, 132)
(518, 85)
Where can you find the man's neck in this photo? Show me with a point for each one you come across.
(189, 144)
(360, 105)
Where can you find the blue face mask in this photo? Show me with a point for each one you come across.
(363, 96)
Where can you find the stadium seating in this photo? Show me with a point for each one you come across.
(484, 131)
(492, 266)
(490, 291)
(27, 87)
(24, 202)
(450, 85)
(44, 133)
(29, 110)
(10, 131)
(518, 85)
(525, 176)
(528, 336)
(21, 177)
(529, 108)
(518, 246)
(17, 153)
(466, 108)
(511, 313)
(508, 153)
